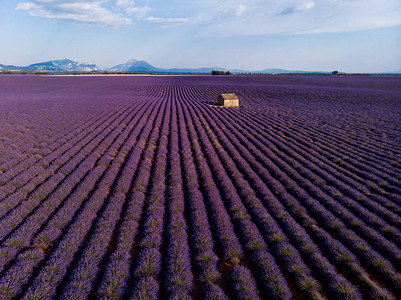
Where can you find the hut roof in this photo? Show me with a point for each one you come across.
(229, 96)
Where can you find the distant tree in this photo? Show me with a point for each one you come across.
(228, 73)
(214, 72)
(334, 72)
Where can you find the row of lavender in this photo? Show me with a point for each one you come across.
(298, 188)
(162, 196)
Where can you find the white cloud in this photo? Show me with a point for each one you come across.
(78, 11)
(305, 5)
(139, 12)
(27, 6)
(228, 17)
(125, 3)
(167, 20)
(131, 9)
(92, 11)
(289, 17)
(237, 10)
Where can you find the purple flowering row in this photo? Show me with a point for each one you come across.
(40, 195)
(178, 276)
(371, 175)
(63, 255)
(249, 233)
(151, 184)
(318, 182)
(39, 191)
(71, 206)
(118, 266)
(32, 166)
(54, 228)
(373, 157)
(319, 262)
(48, 146)
(339, 261)
(387, 230)
(135, 187)
(335, 207)
(270, 179)
(205, 257)
(292, 204)
(117, 269)
(92, 256)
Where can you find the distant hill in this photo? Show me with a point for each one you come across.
(141, 66)
(8, 67)
(138, 66)
(134, 66)
(65, 65)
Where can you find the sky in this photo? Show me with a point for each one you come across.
(310, 35)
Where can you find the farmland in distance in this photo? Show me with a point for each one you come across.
(138, 188)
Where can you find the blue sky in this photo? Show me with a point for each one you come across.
(348, 35)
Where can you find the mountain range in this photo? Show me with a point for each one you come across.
(142, 66)
(132, 66)
(65, 65)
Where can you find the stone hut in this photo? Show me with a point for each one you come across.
(229, 100)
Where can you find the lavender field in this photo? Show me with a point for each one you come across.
(138, 188)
